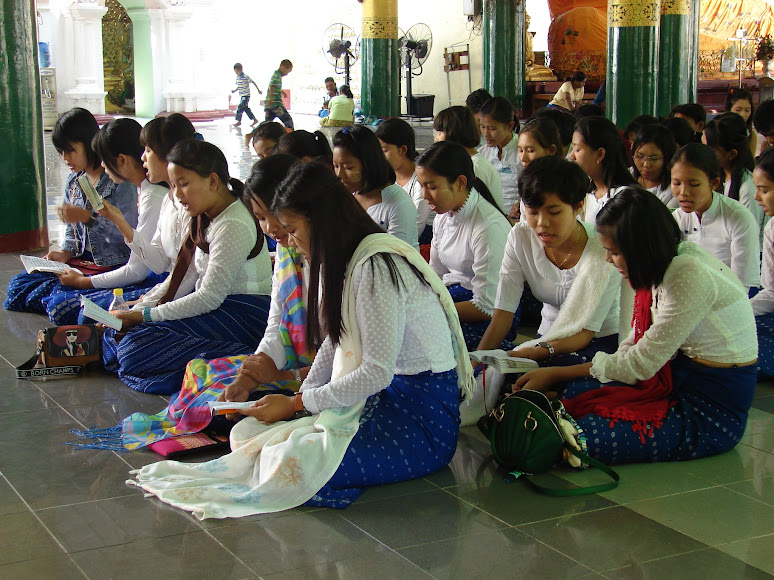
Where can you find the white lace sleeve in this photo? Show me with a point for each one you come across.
(322, 369)
(380, 308)
(678, 313)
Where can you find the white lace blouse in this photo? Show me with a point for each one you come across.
(699, 308)
(223, 271)
(525, 261)
(728, 231)
(467, 249)
(403, 330)
(150, 198)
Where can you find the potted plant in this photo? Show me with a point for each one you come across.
(765, 52)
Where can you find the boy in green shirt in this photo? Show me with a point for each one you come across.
(273, 106)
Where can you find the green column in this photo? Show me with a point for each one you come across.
(23, 202)
(678, 40)
(632, 58)
(380, 72)
(144, 92)
(503, 50)
(693, 57)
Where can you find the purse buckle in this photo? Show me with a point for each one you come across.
(528, 419)
(499, 413)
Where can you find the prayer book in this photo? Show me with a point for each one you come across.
(226, 407)
(35, 264)
(88, 188)
(91, 310)
(500, 360)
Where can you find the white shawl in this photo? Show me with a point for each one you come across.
(593, 277)
(280, 466)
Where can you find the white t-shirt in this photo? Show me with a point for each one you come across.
(728, 231)
(576, 95)
(225, 270)
(467, 249)
(525, 260)
(403, 330)
(396, 214)
(149, 200)
(161, 252)
(508, 167)
(486, 172)
(699, 308)
(592, 205)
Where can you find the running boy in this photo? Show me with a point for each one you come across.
(273, 106)
(243, 86)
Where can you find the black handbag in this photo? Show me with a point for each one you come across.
(63, 352)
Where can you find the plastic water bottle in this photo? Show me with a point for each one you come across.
(118, 304)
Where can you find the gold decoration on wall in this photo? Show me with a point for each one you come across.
(382, 28)
(626, 13)
(682, 7)
(118, 57)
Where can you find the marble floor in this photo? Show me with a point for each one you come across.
(67, 513)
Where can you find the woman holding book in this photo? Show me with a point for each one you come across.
(469, 234)
(382, 394)
(662, 406)
(89, 237)
(118, 145)
(216, 308)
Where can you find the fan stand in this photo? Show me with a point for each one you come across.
(408, 83)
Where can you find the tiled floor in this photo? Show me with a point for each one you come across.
(66, 513)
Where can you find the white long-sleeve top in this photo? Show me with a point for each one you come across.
(508, 167)
(425, 215)
(403, 331)
(763, 301)
(396, 214)
(747, 199)
(160, 253)
(665, 195)
(525, 261)
(728, 231)
(486, 172)
(223, 271)
(149, 200)
(271, 343)
(467, 249)
(699, 308)
(592, 205)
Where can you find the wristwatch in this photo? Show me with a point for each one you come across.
(549, 347)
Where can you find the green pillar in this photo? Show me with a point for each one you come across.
(693, 57)
(144, 92)
(632, 58)
(504, 73)
(678, 45)
(380, 72)
(23, 201)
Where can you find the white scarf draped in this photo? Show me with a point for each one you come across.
(280, 466)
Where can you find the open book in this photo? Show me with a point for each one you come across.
(35, 264)
(226, 407)
(500, 360)
(88, 188)
(95, 312)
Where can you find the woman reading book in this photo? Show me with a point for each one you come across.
(382, 394)
(661, 406)
(88, 236)
(564, 264)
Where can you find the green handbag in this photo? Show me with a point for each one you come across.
(526, 439)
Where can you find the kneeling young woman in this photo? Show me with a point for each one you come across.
(383, 391)
(663, 407)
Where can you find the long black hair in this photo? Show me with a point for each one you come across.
(545, 132)
(399, 133)
(450, 160)
(337, 225)
(361, 142)
(728, 131)
(119, 137)
(601, 133)
(302, 144)
(662, 138)
(644, 231)
(700, 156)
(269, 130)
(501, 110)
(160, 135)
(265, 177)
(459, 125)
(76, 126)
(204, 159)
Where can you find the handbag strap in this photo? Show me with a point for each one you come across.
(27, 370)
(580, 490)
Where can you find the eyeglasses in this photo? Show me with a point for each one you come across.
(649, 159)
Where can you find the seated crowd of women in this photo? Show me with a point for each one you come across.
(354, 348)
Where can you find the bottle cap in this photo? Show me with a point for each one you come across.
(118, 291)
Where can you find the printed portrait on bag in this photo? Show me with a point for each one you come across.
(71, 341)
